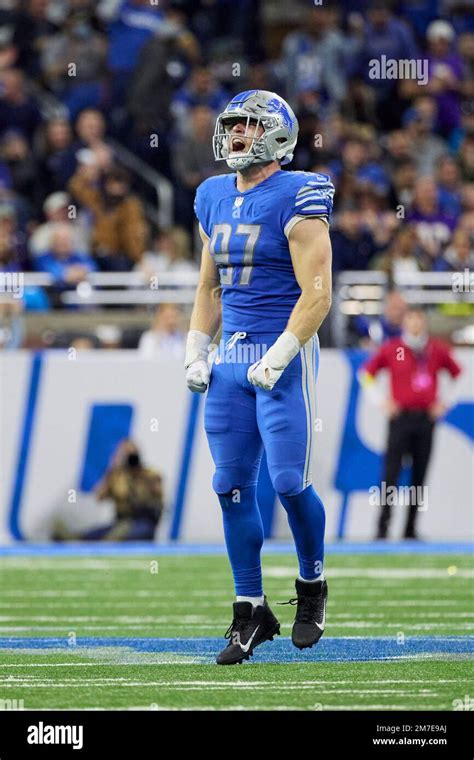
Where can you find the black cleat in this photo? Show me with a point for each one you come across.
(411, 535)
(310, 614)
(250, 627)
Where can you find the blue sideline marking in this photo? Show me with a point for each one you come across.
(270, 547)
(108, 425)
(281, 650)
(185, 468)
(25, 448)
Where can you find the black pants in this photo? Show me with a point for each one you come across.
(411, 432)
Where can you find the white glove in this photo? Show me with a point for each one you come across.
(198, 373)
(197, 376)
(266, 372)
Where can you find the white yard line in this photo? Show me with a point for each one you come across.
(357, 573)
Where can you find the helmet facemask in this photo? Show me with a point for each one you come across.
(223, 137)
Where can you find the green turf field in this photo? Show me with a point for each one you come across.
(141, 632)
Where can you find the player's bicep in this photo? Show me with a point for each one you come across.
(310, 250)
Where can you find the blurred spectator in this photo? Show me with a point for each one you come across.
(466, 223)
(352, 245)
(67, 266)
(403, 254)
(12, 328)
(56, 157)
(33, 27)
(18, 157)
(137, 494)
(8, 51)
(9, 223)
(398, 149)
(200, 89)
(308, 147)
(193, 162)
(448, 179)
(8, 255)
(372, 331)
(118, 234)
(135, 22)
(384, 35)
(162, 65)
(82, 343)
(57, 208)
(458, 256)
(80, 46)
(466, 52)
(466, 158)
(413, 362)
(403, 183)
(446, 73)
(357, 171)
(18, 109)
(32, 297)
(382, 224)
(109, 337)
(425, 146)
(166, 336)
(227, 25)
(433, 227)
(314, 56)
(467, 196)
(90, 130)
(5, 179)
(171, 252)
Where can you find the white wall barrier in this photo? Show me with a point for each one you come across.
(53, 443)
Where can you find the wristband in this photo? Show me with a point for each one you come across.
(197, 347)
(283, 351)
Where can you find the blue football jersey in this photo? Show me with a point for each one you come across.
(248, 233)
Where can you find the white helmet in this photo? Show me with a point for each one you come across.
(268, 110)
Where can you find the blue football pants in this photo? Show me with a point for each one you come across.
(242, 420)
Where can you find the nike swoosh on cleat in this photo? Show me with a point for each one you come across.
(246, 647)
(321, 627)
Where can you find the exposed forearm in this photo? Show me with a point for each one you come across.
(308, 314)
(205, 321)
(207, 311)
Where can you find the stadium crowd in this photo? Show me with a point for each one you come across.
(78, 78)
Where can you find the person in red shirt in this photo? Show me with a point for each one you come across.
(413, 361)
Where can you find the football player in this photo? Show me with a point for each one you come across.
(266, 275)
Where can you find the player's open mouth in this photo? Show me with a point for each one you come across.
(237, 145)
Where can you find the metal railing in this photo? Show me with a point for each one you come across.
(163, 215)
(120, 288)
(363, 293)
